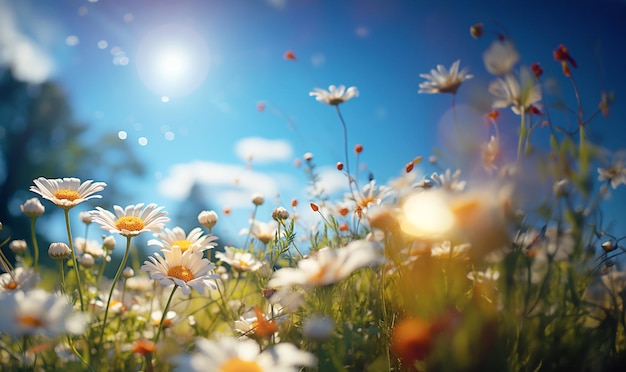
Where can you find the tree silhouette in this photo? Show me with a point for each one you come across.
(40, 137)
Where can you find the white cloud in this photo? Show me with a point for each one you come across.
(228, 185)
(28, 62)
(261, 150)
(332, 180)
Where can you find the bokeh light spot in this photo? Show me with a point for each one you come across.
(72, 40)
(426, 215)
(143, 141)
(122, 135)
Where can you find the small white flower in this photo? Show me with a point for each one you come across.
(67, 192)
(328, 266)
(614, 175)
(239, 260)
(185, 269)
(501, 57)
(195, 241)
(19, 279)
(32, 208)
(131, 221)
(334, 95)
(443, 81)
(264, 231)
(449, 181)
(232, 354)
(38, 312)
(18, 246)
(520, 94)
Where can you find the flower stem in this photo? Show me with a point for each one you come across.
(522, 135)
(167, 306)
(35, 245)
(345, 149)
(74, 261)
(115, 279)
(62, 276)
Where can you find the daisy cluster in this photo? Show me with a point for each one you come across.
(445, 267)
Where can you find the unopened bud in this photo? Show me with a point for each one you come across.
(32, 208)
(207, 219)
(308, 156)
(358, 149)
(59, 251)
(314, 207)
(339, 165)
(608, 246)
(18, 246)
(109, 243)
(258, 199)
(85, 217)
(87, 260)
(128, 272)
(280, 214)
(476, 30)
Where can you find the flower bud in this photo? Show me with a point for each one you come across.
(59, 251)
(608, 246)
(128, 272)
(358, 149)
(308, 156)
(476, 30)
(280, 214)
(32, 208)
(207, 219)
(87, 260)
(18, 246)
(258, 199)
(85, 217)
(109, 243)
(339, 165)
(314, 207)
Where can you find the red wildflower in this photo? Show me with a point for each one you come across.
(290, 55)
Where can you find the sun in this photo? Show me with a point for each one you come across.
(173, 60)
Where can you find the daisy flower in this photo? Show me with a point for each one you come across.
(232, 354)
(67, 192)
(38, 312)
(614, 175)
(444, 81)
(131, 221)
(22, 279)
(255, 324)
(185, 269)
(449, 181)
(334, 95)
(264, 231)
(519, 95)
(239, 260)
(195, 241)
(328, 265)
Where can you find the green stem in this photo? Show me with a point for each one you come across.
(62, 271)
(115, 279)
(35, 245)
(74, 261)
(167, 306)
(345, 149)
(522, 135)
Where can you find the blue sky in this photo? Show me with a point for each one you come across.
(181, 80)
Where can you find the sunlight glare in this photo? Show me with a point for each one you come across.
(426, 215)
(173, 60)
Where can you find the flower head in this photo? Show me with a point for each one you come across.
(18, 279)
(208, 219)
(131, 221)
(520, 94)
(38, 312)
(232, 354)
(239, 260)
(443, 81)
(264, 231)
(185, 269)
(32, 208)
(334, 95)
(328, 265)
(614, 175)
(194, 241)
(501, 57)
(67, 192)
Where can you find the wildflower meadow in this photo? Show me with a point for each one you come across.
(452, 270)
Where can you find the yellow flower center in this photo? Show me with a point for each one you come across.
(70, 195)
(183, 244)
(30, 321)
(238, 365)
(366, 201)
(130, 223)
(180, 272)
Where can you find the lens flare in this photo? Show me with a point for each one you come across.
(426, 215)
